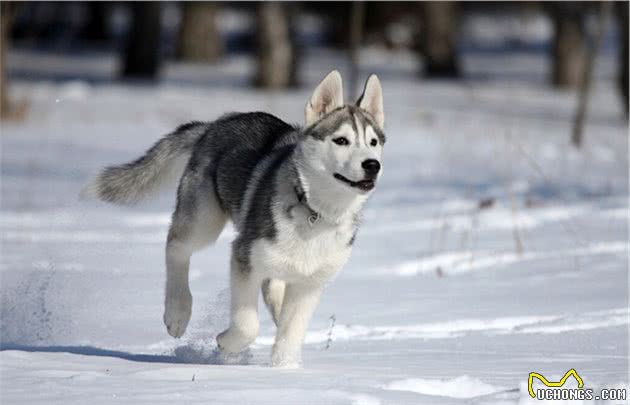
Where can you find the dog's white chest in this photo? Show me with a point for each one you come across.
(303, 250)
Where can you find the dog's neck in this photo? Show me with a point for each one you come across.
(324, 196)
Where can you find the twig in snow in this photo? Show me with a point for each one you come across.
(486, 203)
(515, 233)
(330, 331)
(474, 222)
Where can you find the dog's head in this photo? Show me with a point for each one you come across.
(343, 143)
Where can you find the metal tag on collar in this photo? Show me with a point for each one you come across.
(313, 218)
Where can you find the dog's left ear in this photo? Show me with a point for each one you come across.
(372, 100)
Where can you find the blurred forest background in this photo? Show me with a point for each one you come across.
(147, 35)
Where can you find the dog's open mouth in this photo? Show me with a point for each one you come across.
(364, 185)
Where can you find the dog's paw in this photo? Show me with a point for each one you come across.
(234, 341)
(282, 361)
(226, 342)
(286, 356)
(177, 314)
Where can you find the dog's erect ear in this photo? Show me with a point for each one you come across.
(372, 100)
(326, 97)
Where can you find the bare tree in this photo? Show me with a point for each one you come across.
(141, 57)
(439, 38)
(8, 108)
(585, 84)
(199, 38)
(569, 43)
(276, 48)
(95, 28)
(5, 24)
(622, 13)
(357, 18)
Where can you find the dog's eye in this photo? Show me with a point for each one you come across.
(341, 141)
(373, 142)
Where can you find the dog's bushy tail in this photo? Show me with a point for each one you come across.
(162, 164)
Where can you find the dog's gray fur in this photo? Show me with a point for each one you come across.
(253, 168)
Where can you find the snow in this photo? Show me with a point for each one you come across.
(490, 249)
(459, 387)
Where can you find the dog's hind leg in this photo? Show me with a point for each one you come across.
(273, 295)
(197, 221)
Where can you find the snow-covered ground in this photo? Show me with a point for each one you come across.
(491, 248)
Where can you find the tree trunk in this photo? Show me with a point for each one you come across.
(589, 67)
(142, 53)
(199, 38)
(622, 8)
(95, 28)
(6, 13)
(439, 38)
(569, 44)
(357, 18)
(276, 47)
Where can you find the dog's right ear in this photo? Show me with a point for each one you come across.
(326, 97)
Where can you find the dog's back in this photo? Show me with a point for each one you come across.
(233, 146)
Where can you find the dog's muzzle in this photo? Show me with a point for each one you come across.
(363, 185)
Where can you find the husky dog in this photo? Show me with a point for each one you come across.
(294, 194)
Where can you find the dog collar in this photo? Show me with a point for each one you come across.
(313, 216)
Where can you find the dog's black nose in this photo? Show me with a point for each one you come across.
(371, 166)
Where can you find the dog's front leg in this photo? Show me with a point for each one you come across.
(244, 325)
(300, 300)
